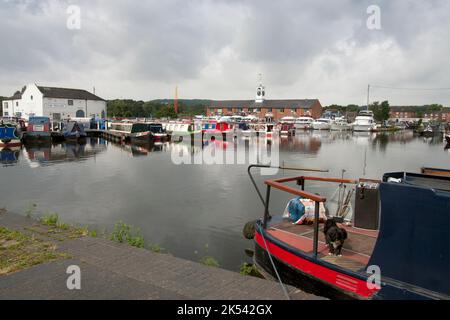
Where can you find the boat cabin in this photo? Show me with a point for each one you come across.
(129, 127)
(38, 124)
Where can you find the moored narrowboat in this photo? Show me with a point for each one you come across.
(179, 130)
(401, 252)
(157, 132)
(134, 132)
(73, 131)
(9, 137)
(216, 129)
(38, 130)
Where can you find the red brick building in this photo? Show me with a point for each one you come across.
(277, 109)
(262, 108)
(419, 112)
(405, 112)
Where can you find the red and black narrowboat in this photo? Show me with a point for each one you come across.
(406, 248)
(213, 129)
(158, 133)
(38, 130)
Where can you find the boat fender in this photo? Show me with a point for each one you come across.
(249, 230)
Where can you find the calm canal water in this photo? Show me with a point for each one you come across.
(191, 211)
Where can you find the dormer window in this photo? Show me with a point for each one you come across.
(70, 102)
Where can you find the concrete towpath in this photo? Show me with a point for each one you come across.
(115, 271)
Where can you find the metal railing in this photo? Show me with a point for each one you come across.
(301, 180)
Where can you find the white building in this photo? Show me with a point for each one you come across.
(55, 103)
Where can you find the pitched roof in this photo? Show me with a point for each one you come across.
(65, 93)
(276, 104)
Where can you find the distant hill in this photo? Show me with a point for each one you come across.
(185, 102)
(160, 108)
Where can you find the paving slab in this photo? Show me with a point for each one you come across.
(117, 271)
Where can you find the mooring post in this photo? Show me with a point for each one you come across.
(266, 207)
(316, 229)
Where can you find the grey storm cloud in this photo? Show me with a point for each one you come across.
(215, 49)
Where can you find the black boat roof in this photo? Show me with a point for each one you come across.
(438, 183)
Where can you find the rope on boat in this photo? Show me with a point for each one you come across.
(273, 265)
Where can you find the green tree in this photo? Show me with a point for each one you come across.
(380, 111)
(385, 111)
(166, 112)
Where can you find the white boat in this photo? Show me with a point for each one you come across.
(364, 121)
(250, 118)
(340, 124)
(303, 123)
(322, 124)
(287, 120)
(182, 128)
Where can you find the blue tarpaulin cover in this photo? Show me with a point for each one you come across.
(295, 209)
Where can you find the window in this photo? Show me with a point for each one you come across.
(31, 97)
(281, 110)
(269, 109)
(6, 114)
(5, 105)
(70, 102)
(17, 103)
(294, 109)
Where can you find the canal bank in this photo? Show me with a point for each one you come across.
(109, 270)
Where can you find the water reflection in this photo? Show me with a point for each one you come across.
(48, 154)
(305, 142)
(141, 149)
(185, 207)
(10, 156)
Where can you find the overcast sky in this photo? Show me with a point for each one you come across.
(216, 49)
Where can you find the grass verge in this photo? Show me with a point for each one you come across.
(19, 251)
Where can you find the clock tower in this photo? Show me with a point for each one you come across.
(260, 91)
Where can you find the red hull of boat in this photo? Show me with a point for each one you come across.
(345, 284)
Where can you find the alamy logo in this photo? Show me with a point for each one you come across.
(209, 150)
(74, 19)
(374, 280)
(74, 280)
(374, 19)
